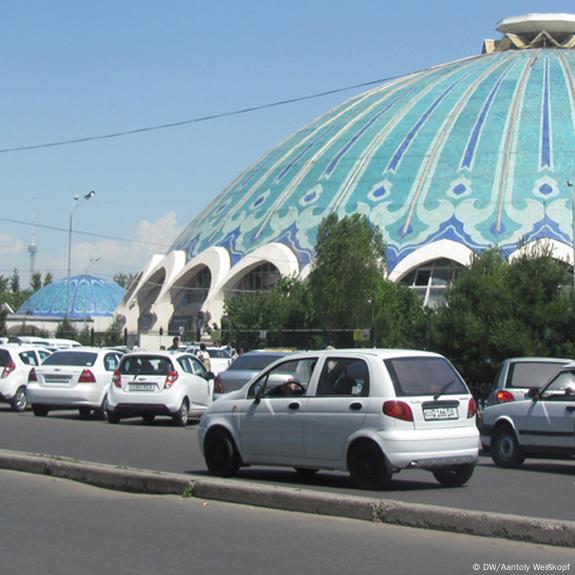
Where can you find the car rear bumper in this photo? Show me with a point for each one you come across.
(79, 396)
(124, 401)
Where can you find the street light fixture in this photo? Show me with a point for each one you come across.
(75, 205)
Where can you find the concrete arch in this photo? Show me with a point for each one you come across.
(560, 251)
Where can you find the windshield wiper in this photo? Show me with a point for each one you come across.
(444, 389)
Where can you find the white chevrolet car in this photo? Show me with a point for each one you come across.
(148, 384)
(372, 413)
(541, 425)
(75, 378)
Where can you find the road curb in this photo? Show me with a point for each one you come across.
(390, 512)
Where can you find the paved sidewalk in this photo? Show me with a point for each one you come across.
(534, 530)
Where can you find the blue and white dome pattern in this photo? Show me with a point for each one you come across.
(88, 296)
(476, 151)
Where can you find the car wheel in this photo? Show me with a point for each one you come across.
(113, 418)
(40, 410)
(454, 476)
(367, 466)
(221, 454)
(102, 411)
(19, 401)
(85, 412)
(505, 450)
(148, 418)
(182, 415)
(306, 472)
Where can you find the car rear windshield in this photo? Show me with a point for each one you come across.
(145, 365)
(76, 358)
(530, 374)
(255, 362)
(218, 353)
(5, 358)
(414, 376)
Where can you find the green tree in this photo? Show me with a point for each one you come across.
(124, 280)
(48, 279)
(15, 282)
(66, 330)
(348, 266)
(36, 282)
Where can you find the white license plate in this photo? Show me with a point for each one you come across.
(57, 379)
(142, 387)
(438, 413)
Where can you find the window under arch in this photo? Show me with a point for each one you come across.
(431, 280)
(147, 297)
(262, 278)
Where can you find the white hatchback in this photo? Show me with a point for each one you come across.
(372, 413)
(147, 384)
(16, 361)
(76, 378)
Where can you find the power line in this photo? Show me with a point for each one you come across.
(198, 120)
(78, 232)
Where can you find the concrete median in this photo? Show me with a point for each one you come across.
(517, 528)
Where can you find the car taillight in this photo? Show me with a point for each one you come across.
(504, 396)
(117, 378)
(398, 410)
(8, 369)
(87, 377)
(218, 385)
(170, 379)
(471, 408)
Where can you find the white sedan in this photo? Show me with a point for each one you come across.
(148, 384)
(75, 378)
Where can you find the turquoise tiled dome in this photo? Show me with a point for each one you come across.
(89, 297)
(476, 151)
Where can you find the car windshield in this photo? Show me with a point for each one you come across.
(253, 362)
(145, 365)
(76, 358)
(529, 374)
(218, 353)
(414, 376)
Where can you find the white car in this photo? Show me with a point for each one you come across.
(76, 378)
(220, 358)
(16, 361)
(542, 424)
(369, 412)
(147, 384)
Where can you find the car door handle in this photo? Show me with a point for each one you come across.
(356, 406)
(570, 408)
(294, 405)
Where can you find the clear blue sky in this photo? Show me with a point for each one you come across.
(74, 69)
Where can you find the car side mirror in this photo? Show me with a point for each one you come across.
(257, 390)
(533, 394)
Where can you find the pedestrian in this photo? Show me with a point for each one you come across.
(175, 344)
(204, 356)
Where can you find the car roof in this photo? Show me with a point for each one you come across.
(527, 359)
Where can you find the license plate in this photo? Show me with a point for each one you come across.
(438, 413)
(57, 379)
(142, 387)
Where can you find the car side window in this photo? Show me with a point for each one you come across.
(561, 388)
(288, 379)
(28, 357)
(198, 368)
(342, 377)
(111, 362)
(185, 364)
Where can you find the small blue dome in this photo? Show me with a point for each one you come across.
(88, 296)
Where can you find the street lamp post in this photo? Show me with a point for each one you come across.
(372, 302)
(75, 205)
(570, 185)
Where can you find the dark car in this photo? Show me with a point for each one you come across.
(243, 369)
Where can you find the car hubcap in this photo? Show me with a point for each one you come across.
(506, 447)
(21, 399)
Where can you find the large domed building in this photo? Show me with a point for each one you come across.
(447, 161)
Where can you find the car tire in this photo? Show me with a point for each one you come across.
(19, 402)
(505, 449)
(148, 418)
(113, 417)
(182, 416)
(85, 412)
(40, 410)
(367, 466)
(454, 476)
(102, 411)
(221, 455)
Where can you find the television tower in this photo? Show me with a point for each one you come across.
(33, 248)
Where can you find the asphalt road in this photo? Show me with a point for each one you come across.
(538, 489)
(57, 527)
